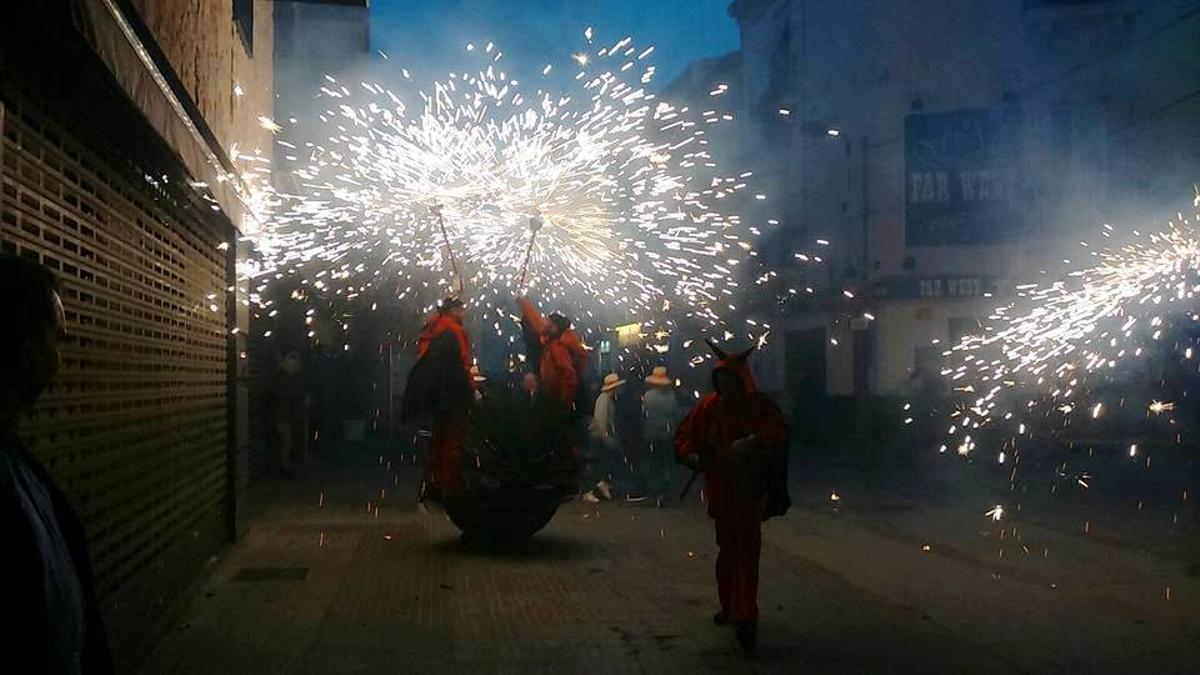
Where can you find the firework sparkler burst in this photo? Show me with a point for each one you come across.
(1045, 355)
(634, 212)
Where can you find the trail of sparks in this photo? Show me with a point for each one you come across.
(638, 216)
(1040, 362)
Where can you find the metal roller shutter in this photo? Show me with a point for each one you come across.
(134, 427)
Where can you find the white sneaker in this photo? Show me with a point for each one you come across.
(605, 489)
(590, 497)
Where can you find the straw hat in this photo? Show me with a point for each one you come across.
(476, 375)
(611, 381)
(659, 377)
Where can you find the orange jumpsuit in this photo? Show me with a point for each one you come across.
(736, 507)
(449, 438)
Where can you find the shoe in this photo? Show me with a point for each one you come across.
(634, 499)
(721, 618)
(591, 498)
(747, 634)
(605, 489)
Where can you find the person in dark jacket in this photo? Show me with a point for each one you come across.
(48, 573)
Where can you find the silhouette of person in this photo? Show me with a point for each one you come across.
(50, 593)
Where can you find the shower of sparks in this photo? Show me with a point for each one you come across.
(638, 215)
(1044, 357)
(1160, 407)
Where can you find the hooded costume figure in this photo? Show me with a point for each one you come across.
(439, 387)
(559, 352)
(738, 439)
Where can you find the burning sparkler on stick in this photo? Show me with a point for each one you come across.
(535, 224)
(437, 211)
(633, 210)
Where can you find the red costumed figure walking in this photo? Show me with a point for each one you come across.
(439, 387)
(738, 439)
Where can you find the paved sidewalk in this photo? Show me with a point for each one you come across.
(324, 583)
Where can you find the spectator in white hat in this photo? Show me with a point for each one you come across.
(660, 410)
(605, 449)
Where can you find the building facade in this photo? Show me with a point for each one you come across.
(950, 150)
(126, 127)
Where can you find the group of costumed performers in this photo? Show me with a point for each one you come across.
(735, 436)
(442, 383)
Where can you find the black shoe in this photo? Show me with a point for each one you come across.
(721, 618)
(747, 634)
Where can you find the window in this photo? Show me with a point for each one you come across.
(243, 16)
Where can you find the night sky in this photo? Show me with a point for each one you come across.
(428, 36)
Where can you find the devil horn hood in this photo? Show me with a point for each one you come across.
(720, 353)
(741, 358)
(737, 364)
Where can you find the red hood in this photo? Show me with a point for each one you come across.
(735, 363)
(738, 365)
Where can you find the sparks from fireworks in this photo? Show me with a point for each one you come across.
(1085, 324)
(1160, 407)
(638, 215)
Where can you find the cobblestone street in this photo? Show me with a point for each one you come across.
(321, 584)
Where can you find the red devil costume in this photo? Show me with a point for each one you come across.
(563, 359)
(738, 438)
(439, 385)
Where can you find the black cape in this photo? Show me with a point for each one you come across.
(437, 383)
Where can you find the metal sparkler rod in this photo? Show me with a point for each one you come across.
(535, 224)
(437, 210)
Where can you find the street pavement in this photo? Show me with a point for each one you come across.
(339, 572)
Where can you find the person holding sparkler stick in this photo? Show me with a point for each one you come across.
(562, 359)
(738, 439)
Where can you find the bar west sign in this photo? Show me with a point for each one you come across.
(938, 287)
(963, 179)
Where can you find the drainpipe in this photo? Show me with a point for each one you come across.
(866, 231)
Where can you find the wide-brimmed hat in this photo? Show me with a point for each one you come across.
(476, 375)
(659, 377)
(611, 381)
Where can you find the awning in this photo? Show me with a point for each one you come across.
(127, 48)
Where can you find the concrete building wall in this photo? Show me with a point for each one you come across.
(907, 326)
(1110, 129)
(202, 42)
(313, 40)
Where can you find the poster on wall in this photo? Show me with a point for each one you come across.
(963, 177)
